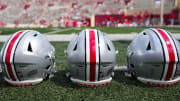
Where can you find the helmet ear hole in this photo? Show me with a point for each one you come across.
(29, 47)
(35, 35)
(148, 46)
(75, 47)
(108, 47)
(48, 66)
(132, 65)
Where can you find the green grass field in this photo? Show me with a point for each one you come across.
(60, 88)
(115, 30)
(6, 31)
(111, 30)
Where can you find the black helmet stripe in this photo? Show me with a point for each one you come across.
(163, 53)
(8, 55)
(15, 53)
(170, 54)
(176, 50)
(99, 56)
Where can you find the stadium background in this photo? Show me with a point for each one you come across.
(52, 17)
(77, 13)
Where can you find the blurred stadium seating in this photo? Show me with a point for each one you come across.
(73, 13)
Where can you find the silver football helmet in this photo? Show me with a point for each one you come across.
(153, 58)
(91, 58)
(27, 58)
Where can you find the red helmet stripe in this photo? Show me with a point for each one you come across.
(170, 53)
(8, 55)
(92, 44)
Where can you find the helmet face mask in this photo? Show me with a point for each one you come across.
(27, 58)
(153, 57)
(91, 58)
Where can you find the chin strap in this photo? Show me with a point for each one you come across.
(0, 68)
(121, 68)
(0, 61)
(116, 68)
(49, 73)
(68, 75)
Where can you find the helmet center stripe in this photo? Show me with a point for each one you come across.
(8, 55)
(171, 54)
(92, 44)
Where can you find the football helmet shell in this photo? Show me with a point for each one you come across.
(91, 58)
(27, 58)
(153, 57)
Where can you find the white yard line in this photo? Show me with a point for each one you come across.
(61, 30)
(69, 37)
(58, 30)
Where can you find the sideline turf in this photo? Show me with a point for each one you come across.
(108, 30)
(59, 88)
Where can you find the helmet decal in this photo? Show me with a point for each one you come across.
(9, 55)
(170, 52)
(92, 55)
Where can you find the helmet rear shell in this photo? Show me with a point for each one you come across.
(31, 56)
(150, 55)
(79, 61)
